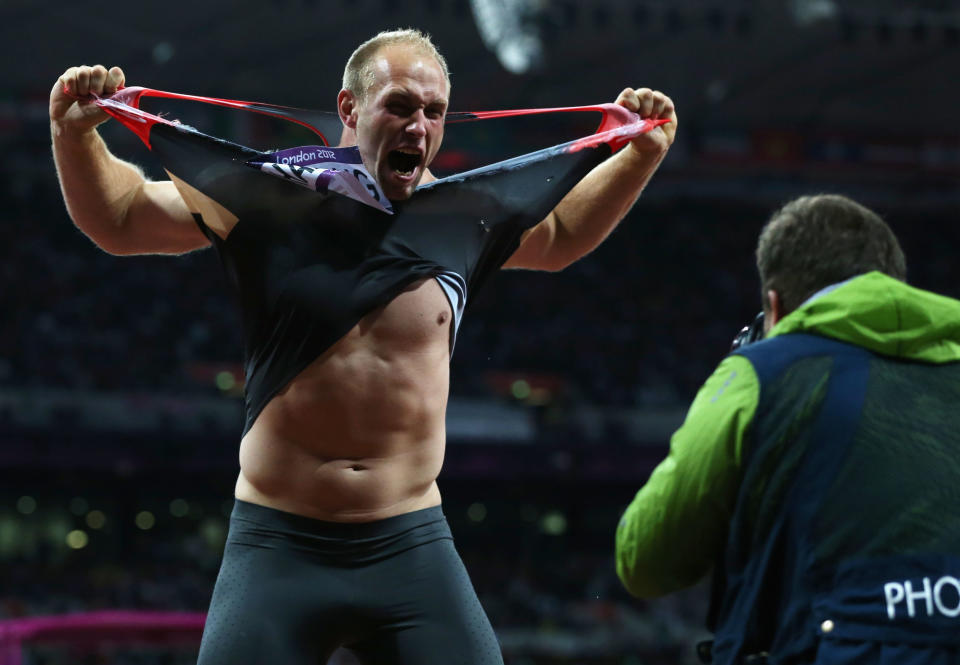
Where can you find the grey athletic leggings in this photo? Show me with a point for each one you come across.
(293, 589)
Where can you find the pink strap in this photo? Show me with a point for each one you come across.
(617, 124)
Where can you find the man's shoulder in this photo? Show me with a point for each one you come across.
(770, 357)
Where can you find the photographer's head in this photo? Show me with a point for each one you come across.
(815, 241)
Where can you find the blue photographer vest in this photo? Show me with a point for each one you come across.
(846, 531)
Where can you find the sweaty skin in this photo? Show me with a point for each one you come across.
(358, 435)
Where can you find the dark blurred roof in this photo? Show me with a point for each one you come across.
(820, 64)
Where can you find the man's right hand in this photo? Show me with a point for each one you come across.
(107, 198)
(70, 107)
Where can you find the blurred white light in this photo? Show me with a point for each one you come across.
(553, 523)
(162, 53)
(520, 389)
(77, 539)
(96, 519)
(179, 508)
(226, 381)
(477, 512)
(717, 91)
(26, 505)
(520, 55)
(79, 506)
(145, 520)
(213, 530)
(508, 28)
(808, 12)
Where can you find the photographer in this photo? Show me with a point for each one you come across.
(818, 471)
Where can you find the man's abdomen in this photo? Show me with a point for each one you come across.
(359, 435)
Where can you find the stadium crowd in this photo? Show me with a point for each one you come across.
(638, 325)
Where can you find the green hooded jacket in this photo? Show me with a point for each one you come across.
(673, 530)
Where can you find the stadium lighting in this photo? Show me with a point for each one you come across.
(509, 29)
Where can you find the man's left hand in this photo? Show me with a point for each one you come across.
(653, 105)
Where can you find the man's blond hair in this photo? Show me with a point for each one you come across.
(358, 75)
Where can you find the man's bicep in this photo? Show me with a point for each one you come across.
(158, 221)
(671, 533)
(162, 201)
(534, 247)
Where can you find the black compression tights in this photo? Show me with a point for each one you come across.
(292, 589)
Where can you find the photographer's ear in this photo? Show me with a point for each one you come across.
(773, 310)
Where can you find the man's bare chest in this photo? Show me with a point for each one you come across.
(419, 315)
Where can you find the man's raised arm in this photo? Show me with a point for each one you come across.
(109, 199)
(593, 208)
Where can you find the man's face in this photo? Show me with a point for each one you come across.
(399, 123)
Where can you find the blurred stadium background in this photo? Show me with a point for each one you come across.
(120, 378)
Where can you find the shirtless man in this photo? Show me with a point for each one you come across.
(337, 536)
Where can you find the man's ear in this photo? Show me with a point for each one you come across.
(347, 108)
(773, 312)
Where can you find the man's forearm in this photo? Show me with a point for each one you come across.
(594, 207)
(97, 186)
(588, 213)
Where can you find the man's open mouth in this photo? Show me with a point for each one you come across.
(404, 161)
